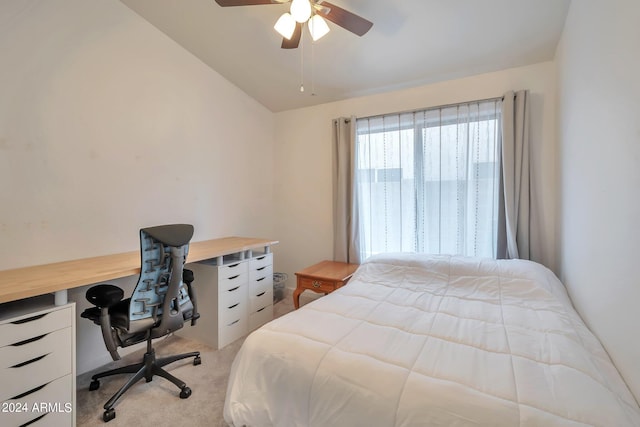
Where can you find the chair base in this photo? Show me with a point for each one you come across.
(147, 369)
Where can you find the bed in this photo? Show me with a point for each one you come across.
(417, 340)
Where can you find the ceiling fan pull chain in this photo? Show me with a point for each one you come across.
(302, 62)
(313, 83)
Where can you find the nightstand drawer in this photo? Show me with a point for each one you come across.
(317, 284)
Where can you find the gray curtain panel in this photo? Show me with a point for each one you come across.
(516, 174)
(345, 229)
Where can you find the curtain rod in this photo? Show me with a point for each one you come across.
(500, 98)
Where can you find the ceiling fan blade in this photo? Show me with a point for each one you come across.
(295, 38)
(347, 20)
(227, 3)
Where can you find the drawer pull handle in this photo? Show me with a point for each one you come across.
(261, 309)
(316, 284)
(260, 279)
(234, 265)
(30, 340)
(29, 319)
(234, 305)
(261, 268)
(234, 322)
(234, 277)
(26, 393)
(34, 420)
(233, 289)
(35, 359)
(261, 293)
(260, 258)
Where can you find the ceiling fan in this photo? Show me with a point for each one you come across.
(312, 12)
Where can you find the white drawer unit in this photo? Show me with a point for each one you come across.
(234, 295)
(260, 290)
(221, 287)
(37, 363)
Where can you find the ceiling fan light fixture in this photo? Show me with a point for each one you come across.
(285, 25)
(318, 27)
(301, 10)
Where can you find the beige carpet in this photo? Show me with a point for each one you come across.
(157, 403)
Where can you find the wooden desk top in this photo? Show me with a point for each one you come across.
(28, 282)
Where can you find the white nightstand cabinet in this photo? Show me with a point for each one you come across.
(234, 295)
(37, 363)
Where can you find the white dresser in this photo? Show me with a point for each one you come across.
(234, 294)
(37, 363)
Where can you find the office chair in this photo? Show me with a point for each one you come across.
(160, 304)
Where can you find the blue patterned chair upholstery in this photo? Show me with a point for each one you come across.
(162, 301)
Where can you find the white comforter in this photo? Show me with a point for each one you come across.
(431, 341)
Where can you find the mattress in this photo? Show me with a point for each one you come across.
(417, 340)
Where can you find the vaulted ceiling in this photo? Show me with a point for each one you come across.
(412, 42)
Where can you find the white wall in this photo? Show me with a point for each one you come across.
(107, 126)
(599, 136)
(304, 223)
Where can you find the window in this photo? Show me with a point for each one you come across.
(428, 181)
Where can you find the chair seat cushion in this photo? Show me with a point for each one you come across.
(118, 313)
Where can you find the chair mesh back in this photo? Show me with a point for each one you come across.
(155, 274)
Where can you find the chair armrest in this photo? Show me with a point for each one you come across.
(187, 278)
(104, 295)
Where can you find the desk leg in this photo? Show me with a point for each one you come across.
(60, 297)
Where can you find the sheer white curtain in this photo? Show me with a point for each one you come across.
(429, 181)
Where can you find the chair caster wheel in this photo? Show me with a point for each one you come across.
(108, 415)
(197, 361)
(95, 384)
(185, 392)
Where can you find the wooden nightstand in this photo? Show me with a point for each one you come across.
(324, 277)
